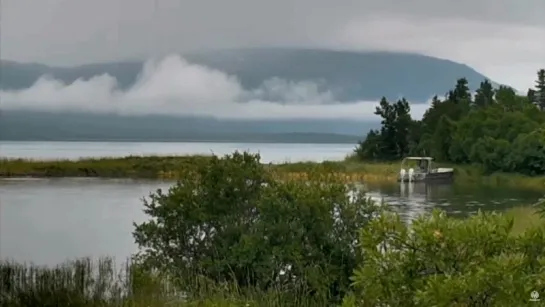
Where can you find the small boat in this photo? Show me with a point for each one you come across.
(423, 172)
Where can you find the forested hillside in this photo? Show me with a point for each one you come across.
(496, 128)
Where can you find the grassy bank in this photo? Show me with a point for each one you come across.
(86, 282)
(474, 175)
(168, 167)
(155, 167)
(524, 218)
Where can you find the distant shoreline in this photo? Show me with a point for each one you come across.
(250, 141)
(173, 167)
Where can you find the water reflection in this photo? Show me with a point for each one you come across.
(49, 220)
(412, 199)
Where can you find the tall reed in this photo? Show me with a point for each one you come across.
(84, 282)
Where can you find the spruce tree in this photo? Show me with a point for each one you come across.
(540, 89)
(485, 94)
(531, 95)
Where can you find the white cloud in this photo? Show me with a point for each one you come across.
(507, 53)
(503, 39)
(175, 87)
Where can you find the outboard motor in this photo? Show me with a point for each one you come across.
(402, 174)
(411, 174)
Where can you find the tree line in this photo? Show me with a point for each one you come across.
(495, 128)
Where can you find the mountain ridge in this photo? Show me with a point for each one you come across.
(351, 76)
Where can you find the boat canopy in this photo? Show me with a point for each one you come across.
(419, 158)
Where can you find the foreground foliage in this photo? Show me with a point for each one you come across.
(436, 261)
(229, 221)
(496, 129)
(440, 261)
(229, 234)
(87, 283)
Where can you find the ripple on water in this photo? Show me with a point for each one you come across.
(472, 203)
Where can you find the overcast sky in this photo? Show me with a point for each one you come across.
(504, 39)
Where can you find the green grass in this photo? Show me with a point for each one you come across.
(84, 282)
(154, 167)
(87, 283)
(169, 167)
(524, 218)
(474, 175)
(127, 167)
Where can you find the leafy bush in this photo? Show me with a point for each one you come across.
(442, 261)
(230, 222)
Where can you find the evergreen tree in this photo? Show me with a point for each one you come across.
(498, 130)
(461, 92)
(442, 138)
(371, 148)
(388, 131)
(403, 123)
(540, 89)
(531, 95)
(485, 94)
(506, 97)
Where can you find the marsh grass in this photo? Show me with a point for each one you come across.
(524, 218)
(468, 174)
(76, 283)
(171, 167)
(97, 283)
(148, 167)
(86, 283)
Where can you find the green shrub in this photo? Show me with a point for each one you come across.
(442, 261)
(230, 222)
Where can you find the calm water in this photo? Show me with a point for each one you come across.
(49, 220)
(269, 152)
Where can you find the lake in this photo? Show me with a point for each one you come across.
(270, 152)
(47, 221)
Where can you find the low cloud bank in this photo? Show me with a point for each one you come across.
(174, 86)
